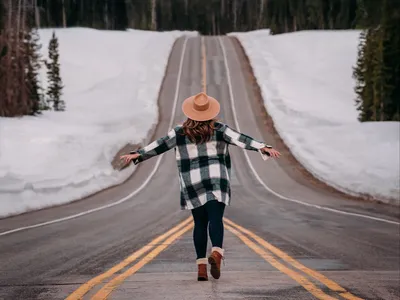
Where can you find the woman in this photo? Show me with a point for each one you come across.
(201, 149)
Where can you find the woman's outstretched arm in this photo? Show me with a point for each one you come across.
(244, 141)
(155, 148)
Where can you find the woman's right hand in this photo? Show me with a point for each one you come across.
(129, 157)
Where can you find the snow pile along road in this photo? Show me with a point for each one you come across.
(112, 80)
(308, 89)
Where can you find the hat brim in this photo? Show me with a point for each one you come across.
(205, 115)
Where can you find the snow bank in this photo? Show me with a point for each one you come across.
(307, 86)
(112, 80)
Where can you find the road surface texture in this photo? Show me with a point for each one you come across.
(286, 237)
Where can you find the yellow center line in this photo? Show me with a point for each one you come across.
(303, 281)
(86, 287)
(118, 280)
(316, 275)
(204, 65)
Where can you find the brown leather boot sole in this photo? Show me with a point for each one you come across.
(202, 278)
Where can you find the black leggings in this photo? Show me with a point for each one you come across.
(211, 214)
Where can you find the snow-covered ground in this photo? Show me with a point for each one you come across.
(112, 80)
(307, 86)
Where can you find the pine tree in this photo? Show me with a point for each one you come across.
(53, 72)
(14, 92)
(359, 76)
(372, 76)
(33, 63)
(390, 108)
(377, 72)
(368, 75)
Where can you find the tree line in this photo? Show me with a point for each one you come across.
(20, 63)
(209, 17)
(377, 72)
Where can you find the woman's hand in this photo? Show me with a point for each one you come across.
(272, 152)
(129, 157)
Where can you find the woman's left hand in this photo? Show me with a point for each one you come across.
(129, 157)
(272, 152)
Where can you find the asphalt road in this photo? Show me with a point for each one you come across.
(299, 241)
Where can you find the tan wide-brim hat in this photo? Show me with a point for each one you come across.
(201, 107)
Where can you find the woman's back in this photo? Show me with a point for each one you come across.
(202, 154)
(200, 147)
(203, 161)
(204, 167)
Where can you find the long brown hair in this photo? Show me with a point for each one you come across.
(199, 131)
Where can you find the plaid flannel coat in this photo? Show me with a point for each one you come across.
(204, 169)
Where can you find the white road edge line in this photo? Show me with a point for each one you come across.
(258, 177)
(138, 189)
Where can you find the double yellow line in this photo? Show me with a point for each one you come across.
(159, 244)
(267, 251)
(270, 253)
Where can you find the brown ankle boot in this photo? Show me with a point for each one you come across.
(202, 272)
(215, 261)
